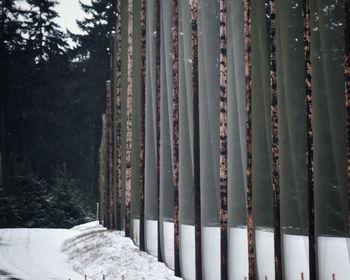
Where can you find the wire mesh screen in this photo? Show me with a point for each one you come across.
(166, 134)
(237, 160)
(136, 122)
(186, 116)
(330, 161)
(292, 137)
(208, 65)
(318, 93)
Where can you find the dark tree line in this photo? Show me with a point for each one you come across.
(52, 97)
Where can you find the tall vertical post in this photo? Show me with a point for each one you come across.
(118, 115)
(158, 19)
(112, 136)
(275, 144)
(98, 211)
(129, 120)
(309, 139)
(347, 94)
(142, 132)
(175, 99)
(248, 83)
(196, 139)
(223, 141)
(102, 173)
(107, 222)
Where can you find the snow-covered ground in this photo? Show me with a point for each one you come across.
(89, 249)
(35, 254)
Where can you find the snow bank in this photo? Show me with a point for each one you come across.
(96, 252)
(35, 254)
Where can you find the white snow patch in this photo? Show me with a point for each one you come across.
(100, 252)
(35, 254)
(61, 254)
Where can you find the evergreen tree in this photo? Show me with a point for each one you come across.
(45, 37)
(52, 99)
(91, 72)
(11, 42)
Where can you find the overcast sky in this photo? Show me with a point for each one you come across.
(69, 11)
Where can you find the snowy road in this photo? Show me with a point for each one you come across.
(35, 254)
(49, 254)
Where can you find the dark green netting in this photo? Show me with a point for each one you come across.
(291, 116)
(186, 191)
(166, 113)
(237, 155)
(209, 108)
(166, 129)
(330, 162)
(261, 117)
(151, 210)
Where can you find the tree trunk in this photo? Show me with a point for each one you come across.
(309, 140)
(275, 144)
(118, 87)
(112, 136)
(102, 173)
(175, 99)
(347, 94)
(248, 78)
(142, 133)
(223, 141)
(160, 258)
(196, 146)
(108, 156)
(129, 120)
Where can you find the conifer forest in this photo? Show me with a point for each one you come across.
(52, 98)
